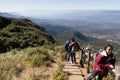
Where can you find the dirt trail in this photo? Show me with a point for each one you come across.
(74, 71)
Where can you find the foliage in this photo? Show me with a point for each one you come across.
(111, 76)
(39, 56)
(12, 64)
(4, 22)
(60, 49)
(59, 74)
(22, 33)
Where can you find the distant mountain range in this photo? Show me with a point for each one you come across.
(61, 32)
(92, 24)
(104, 24)
(11, 15)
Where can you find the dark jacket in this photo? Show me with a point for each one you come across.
(73, 47)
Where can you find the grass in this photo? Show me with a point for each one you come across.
(59, 74)
(11, 65)
(15, 63)
(34, 63)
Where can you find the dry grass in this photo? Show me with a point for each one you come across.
(17, 65)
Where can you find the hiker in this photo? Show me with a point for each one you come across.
(66, 47)
(73, 48)
(103, 63)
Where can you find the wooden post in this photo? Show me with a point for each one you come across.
(88, 61)
(117, 73)
(81, 59)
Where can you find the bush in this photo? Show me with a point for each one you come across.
(59, 73)
(111, 76)
(11, 66)
(61, 51)
(22, 33)
(39, 56)
(38, 59)
(14, 63)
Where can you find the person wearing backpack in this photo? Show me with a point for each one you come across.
(73, 48)
(103, 63)
(66, 47)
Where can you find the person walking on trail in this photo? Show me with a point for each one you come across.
(66, 47)
(104, 62)
(73, 48)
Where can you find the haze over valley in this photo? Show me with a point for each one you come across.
(100, 24)
(93, 25)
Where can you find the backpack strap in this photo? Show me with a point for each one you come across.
(72, 43)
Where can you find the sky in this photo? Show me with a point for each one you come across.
(36, 5)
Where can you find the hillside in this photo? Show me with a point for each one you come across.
(93, 23)
(80, 38)
(21, 33)
(11, 15)
(51, 26)
(62, 32)
(112, 34)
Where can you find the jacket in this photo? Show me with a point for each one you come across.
(73, 47)
(102, 64)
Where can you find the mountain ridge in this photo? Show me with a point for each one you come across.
(22, 33)
(85, 22)
(103, 21)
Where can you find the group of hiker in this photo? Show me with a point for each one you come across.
(104, 60)
(71, 47)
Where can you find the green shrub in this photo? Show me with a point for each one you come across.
(39, 56)
(22, 33)
(61, 51)
(59, 74)
(38, 59)
(31, 77)
(110, 76)
(11, 65)
(62, 56)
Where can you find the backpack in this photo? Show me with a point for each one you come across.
(95, 55)
(66, 45)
